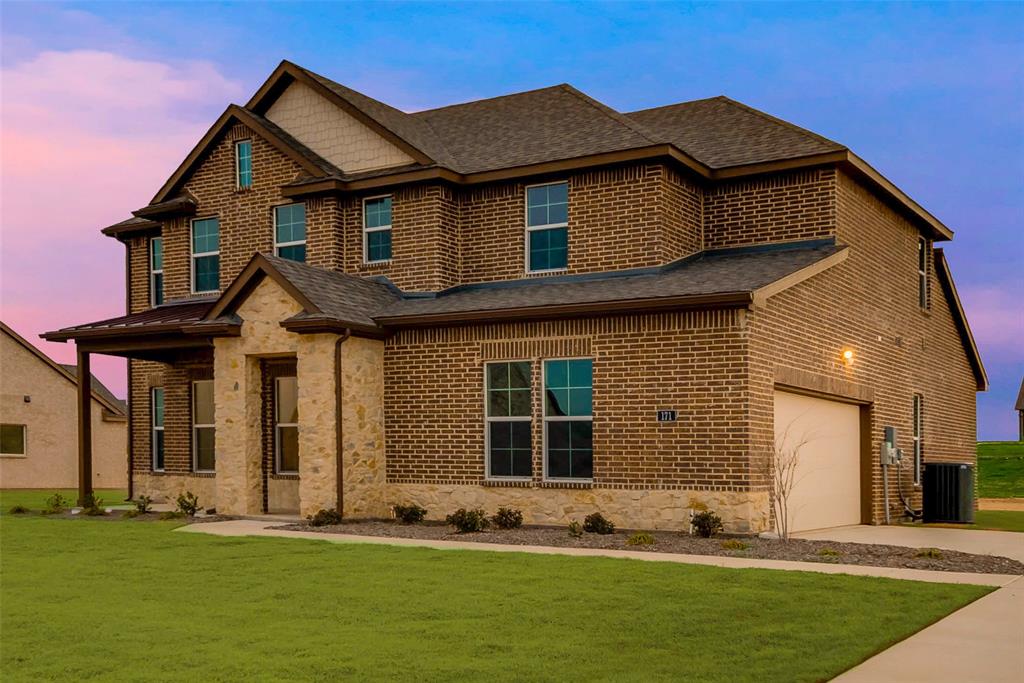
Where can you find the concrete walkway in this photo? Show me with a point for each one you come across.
(1002, 543)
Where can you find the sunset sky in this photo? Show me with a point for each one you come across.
(102, 101)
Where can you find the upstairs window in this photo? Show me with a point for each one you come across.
(547, 227)
(377, 229)
(12, 439)
(204, 457)
(290, 232)
(508, 407)
(243, 164)
(568, 419)
(205, 255)
(922, 273)
(156, 271)
(156, 407)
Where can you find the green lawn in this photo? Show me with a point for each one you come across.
(34, 499)
(93, 600)
(997, 520)
(1001, 469)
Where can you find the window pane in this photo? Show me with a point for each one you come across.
(377, 212)
(579, 402)
(548, 249)
(497, 375)
(205, 459)
(156, 246)
(378, 245)
(501, 462)
(158, 289)
(296, 252)
(244, 152)
(12, 439)
(519, 375)
(205, 236)
(556, 373)
(570, 449)
(522, 463)
(287, 399)
(580, 373)
(557, 402)
(158, 407)
(288, 445)
(558, 435)
(158, 449)
(290, 223)
(202, 402)
(558, 463)
(207, 270)
(510, 449)
(497, 403)
(521, 435)
(547, 205)
(519, 402)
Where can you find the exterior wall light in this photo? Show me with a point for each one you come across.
(848, 356)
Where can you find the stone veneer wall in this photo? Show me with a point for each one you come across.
(362, 373)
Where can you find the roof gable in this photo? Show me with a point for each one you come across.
(960, 319)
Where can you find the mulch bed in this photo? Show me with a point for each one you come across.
(674, 542)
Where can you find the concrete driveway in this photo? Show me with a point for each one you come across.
(1003, 543)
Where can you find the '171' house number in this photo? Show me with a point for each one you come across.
(666, 416)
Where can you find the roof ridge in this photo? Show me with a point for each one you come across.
(675, 104)
(774, 119)
(487, 99)
(611, 113)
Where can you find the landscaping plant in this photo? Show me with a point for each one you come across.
(706, 524)
(508, 518)
(597, 524)
(468, 521)
(640, 538)
(929, 553)
(188, 504)
(324, 518)
(575, 528)
(93, 506)
(18, 510)
(409, 514)
(55, 504)
(143, 504)
(734, 544)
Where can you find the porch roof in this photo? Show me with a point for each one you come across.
(173, 316)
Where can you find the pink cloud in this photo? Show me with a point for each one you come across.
(996, 316)
(87, 137)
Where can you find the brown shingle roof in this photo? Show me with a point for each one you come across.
(98, 387)
(721, 132)
(167, 315)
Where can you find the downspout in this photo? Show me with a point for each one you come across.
(340, 443)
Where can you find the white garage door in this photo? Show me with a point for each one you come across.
(826, 488)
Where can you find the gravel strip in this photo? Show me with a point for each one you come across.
(674, 542)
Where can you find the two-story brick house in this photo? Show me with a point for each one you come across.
(537, 301)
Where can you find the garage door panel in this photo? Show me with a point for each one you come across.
(826, 482)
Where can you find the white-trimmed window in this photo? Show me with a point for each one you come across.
(204, 458)
(205, 255)
(156, 408)
(290, 232)
(377, 229)
(13, 439)
(286, 425)
(547, 227)
(568, 419)
(922, 273)
(243, 164)
(918, 437)
(156, 270)
(508, 411)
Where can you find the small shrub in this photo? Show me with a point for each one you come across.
(18, 510)
(131, 514)
(829, 552)
(597, 524)
(508, 518)
(55, 504)
(93, 506)
(706, 524)
(640, 538)
(930, 553)
(188, 504)
(171, 514)
(409, 514)
(575, 528)
(735, 544)
(324, 518)
(468, 521)
(143, 504)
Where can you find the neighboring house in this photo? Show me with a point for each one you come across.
(39, 432)
(537, 301)
(1019, 407)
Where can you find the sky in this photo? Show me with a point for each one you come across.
(100, 102)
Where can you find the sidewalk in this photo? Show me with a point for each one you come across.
(978, 541)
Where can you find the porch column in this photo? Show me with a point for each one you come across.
(84, 426)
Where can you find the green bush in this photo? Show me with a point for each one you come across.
(828, 552)
(597, 524)
(735, 544)
(508, 518)
(171, 514)
(130, 514)
(143, 504)
(468, 521)
(18, 510)
(55, 504)
(706, 523)
(188, 504)
(930, 553)
(640, 538)
(409, 514)
(324, 518)
(575, 528)
(93, 506)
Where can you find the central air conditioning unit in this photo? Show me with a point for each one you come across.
(948, 491)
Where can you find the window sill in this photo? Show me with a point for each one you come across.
(377, 263)
(285, 476)
(566, 484)
(509, 482)
(204, 473)
(552, 271)
(20, 456)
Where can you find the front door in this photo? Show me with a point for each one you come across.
(281, 438)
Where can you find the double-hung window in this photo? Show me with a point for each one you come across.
(286, 425)
(547, 227)
(156, 407)
(568, 419)
(203, 427)
(156, 270)
(918, 437)
(922, 273)
(508, 415)
(243, 164)
(12, 439)
(205, 255)
(290, 232)
(377, 229)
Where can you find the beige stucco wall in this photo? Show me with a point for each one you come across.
(51, 419)
(336, 136)
(741, 511)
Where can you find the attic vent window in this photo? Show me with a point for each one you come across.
(243, 164)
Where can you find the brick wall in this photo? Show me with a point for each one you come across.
(693, 362)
